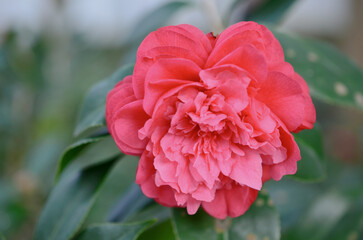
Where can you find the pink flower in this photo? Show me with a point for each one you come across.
(210, 116)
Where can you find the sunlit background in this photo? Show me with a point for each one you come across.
(51, 52)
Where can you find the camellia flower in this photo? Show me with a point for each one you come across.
(210, 116)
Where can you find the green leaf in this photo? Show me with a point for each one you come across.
(331, 76)
(312, 166)
(271, 11)
(320, 218)
(110, 231)
(93, 109)
(73, 151)
(70, 202)
(261, 221)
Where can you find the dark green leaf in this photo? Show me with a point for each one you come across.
(93, 109)
(331, 76)
(110, 231)
(70, 202)
(73, 151)
(259, 222)
(320, 218)
(312, 166)
(271, 11)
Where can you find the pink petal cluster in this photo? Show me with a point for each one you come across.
(210, 116)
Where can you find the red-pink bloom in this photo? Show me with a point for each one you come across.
(210, 116)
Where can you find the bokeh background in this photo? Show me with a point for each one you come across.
(51, 52)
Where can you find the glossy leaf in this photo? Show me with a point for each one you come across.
(271, 11)
(110, 231)
(73, 151)
(93, 109)
(331, 76)
(70, 202)
(259, 222)
(312, 166)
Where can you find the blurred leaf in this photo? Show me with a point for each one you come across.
(73, 151)
(320, 218)
(155, 19)
(312, 166)
(331, 76)
(2, 236)
(110, 231)
(93, 109)
(350, 226)
(271, 11)
(291, 199)
(70, 202)
(13, 211)
(159, 231)
(260, 221)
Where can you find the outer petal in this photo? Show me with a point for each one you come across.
(125, 126)
(231, 202)
(262, 39)
(124, 118)
(285, 98)
(183, 41)
(309, 113)
(119, 96)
